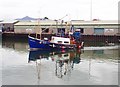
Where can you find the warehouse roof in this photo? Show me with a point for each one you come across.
(41, 22)
(8, 21)
(73, 22)
(95, 22)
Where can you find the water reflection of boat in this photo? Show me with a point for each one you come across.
(40, 54)
(64, 60)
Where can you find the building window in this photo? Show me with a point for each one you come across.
(8, 28)
(45, 30)
(61, 30)
(109, 30)
(81, 30)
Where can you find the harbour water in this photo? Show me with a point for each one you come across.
(89, 66)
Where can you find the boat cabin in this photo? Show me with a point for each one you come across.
(60, 40)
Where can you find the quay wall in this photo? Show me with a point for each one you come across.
(85, 38)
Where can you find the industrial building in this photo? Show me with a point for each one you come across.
(97, 27)
(108, 27)
(7, 26)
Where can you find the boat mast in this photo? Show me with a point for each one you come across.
(56, 24)
(39, 28)
(61, 24)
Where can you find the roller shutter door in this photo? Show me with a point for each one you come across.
(99, 31)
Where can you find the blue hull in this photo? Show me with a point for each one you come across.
(46, 45)
(35, 43)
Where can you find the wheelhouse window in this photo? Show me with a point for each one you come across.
(66, 42)
(59, 42)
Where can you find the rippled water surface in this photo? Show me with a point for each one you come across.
(89, 66)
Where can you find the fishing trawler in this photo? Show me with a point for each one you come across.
(56, 42)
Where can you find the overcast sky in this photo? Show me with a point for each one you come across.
(56, 9)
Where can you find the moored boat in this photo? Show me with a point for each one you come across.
(72, 41)
(55, 43)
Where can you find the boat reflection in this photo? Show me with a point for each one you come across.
(64, 60)
(37, 55)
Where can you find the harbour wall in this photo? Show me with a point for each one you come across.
(85, 38)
